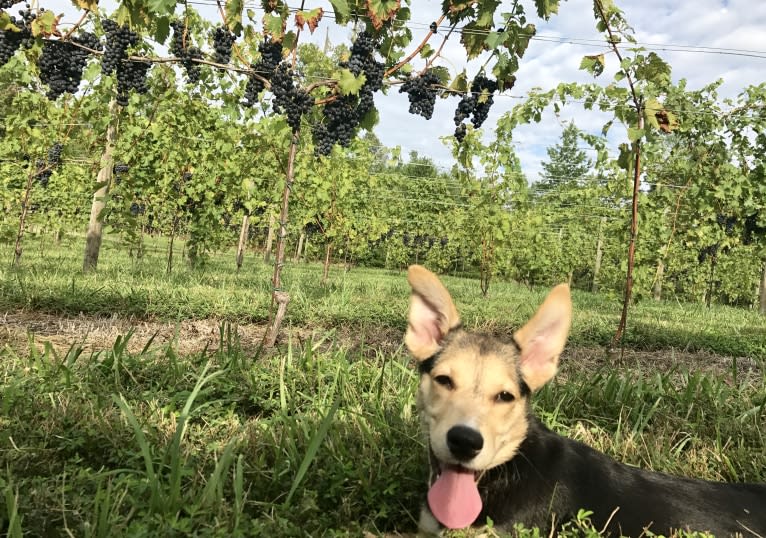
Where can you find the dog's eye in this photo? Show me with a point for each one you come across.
(444, 381)
(505, 396)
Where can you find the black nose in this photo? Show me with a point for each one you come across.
(464, 442)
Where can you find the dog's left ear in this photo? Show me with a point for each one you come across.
(543, 338)
(432, 313)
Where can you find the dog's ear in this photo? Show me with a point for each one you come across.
(542, 339)
(432, 313)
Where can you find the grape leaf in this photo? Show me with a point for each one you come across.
(485, 15)
(309, 18)
(546, 8)
(459, 85)
(348, 83)
(45, 24)
(274, 26)
(457, 10)
(473, 37)
(426, 51)
(234, 15)
(654, 69)
(6, 24)
(342, 12)
(635, 134)
(162, 7)
(381, 11)
(91, 5)
(593, 64)
(162, 29)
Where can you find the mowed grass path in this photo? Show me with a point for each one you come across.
(52, 282)
(316, 438)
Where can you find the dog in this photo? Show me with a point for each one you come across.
(492, 458)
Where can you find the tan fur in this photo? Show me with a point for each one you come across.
(543, 337)
(480, 369)
(432, 313)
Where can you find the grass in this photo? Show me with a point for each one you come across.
(319, 437)
(307, 441)
(52, 282)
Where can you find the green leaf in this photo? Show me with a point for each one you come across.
(494, 39)
(274, 26)
(162, 7)
(45, 24)
(234, 15)
(426, 51)
(653, 69)
(485, 15)
(91, 5)
(348, 83)
(635, 134)
(162, 29)
(593, 64)
(459, 84)
(651, 109)
(473, 39)
(625, 160)
(442, 73)
(546, 8)
(289, 41)
(342, 12)
(370, 120)
(6, 24)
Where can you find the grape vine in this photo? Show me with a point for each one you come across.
(223, 40)
(271, 56)
(343, 115)
(422, 91)
(62, 62)
(475, 104)
(288, 98)
(179, 47)
(11, 40)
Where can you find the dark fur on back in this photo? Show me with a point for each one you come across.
(552, 474)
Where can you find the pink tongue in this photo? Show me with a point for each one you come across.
(454, 498)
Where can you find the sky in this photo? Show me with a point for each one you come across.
(727, 24)
(664, 26)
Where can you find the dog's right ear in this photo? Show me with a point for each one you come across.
(432, 313)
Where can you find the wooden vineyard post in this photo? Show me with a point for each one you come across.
(269, 239)
(327, 258)
(103, 180)
(599, 255)
(298, 250)
(657, 287)
(243, 233)
(23, 217)
(279, 296)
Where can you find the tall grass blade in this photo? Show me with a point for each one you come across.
(143, 445)
(175, 447)
(213, 492)
(12, 507)
(313, 448)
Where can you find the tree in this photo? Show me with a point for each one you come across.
(567, 163)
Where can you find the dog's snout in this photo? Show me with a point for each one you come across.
(464, 442)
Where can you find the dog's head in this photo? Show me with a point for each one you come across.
(473, 388)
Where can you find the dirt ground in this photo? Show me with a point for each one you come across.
(18, 329)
